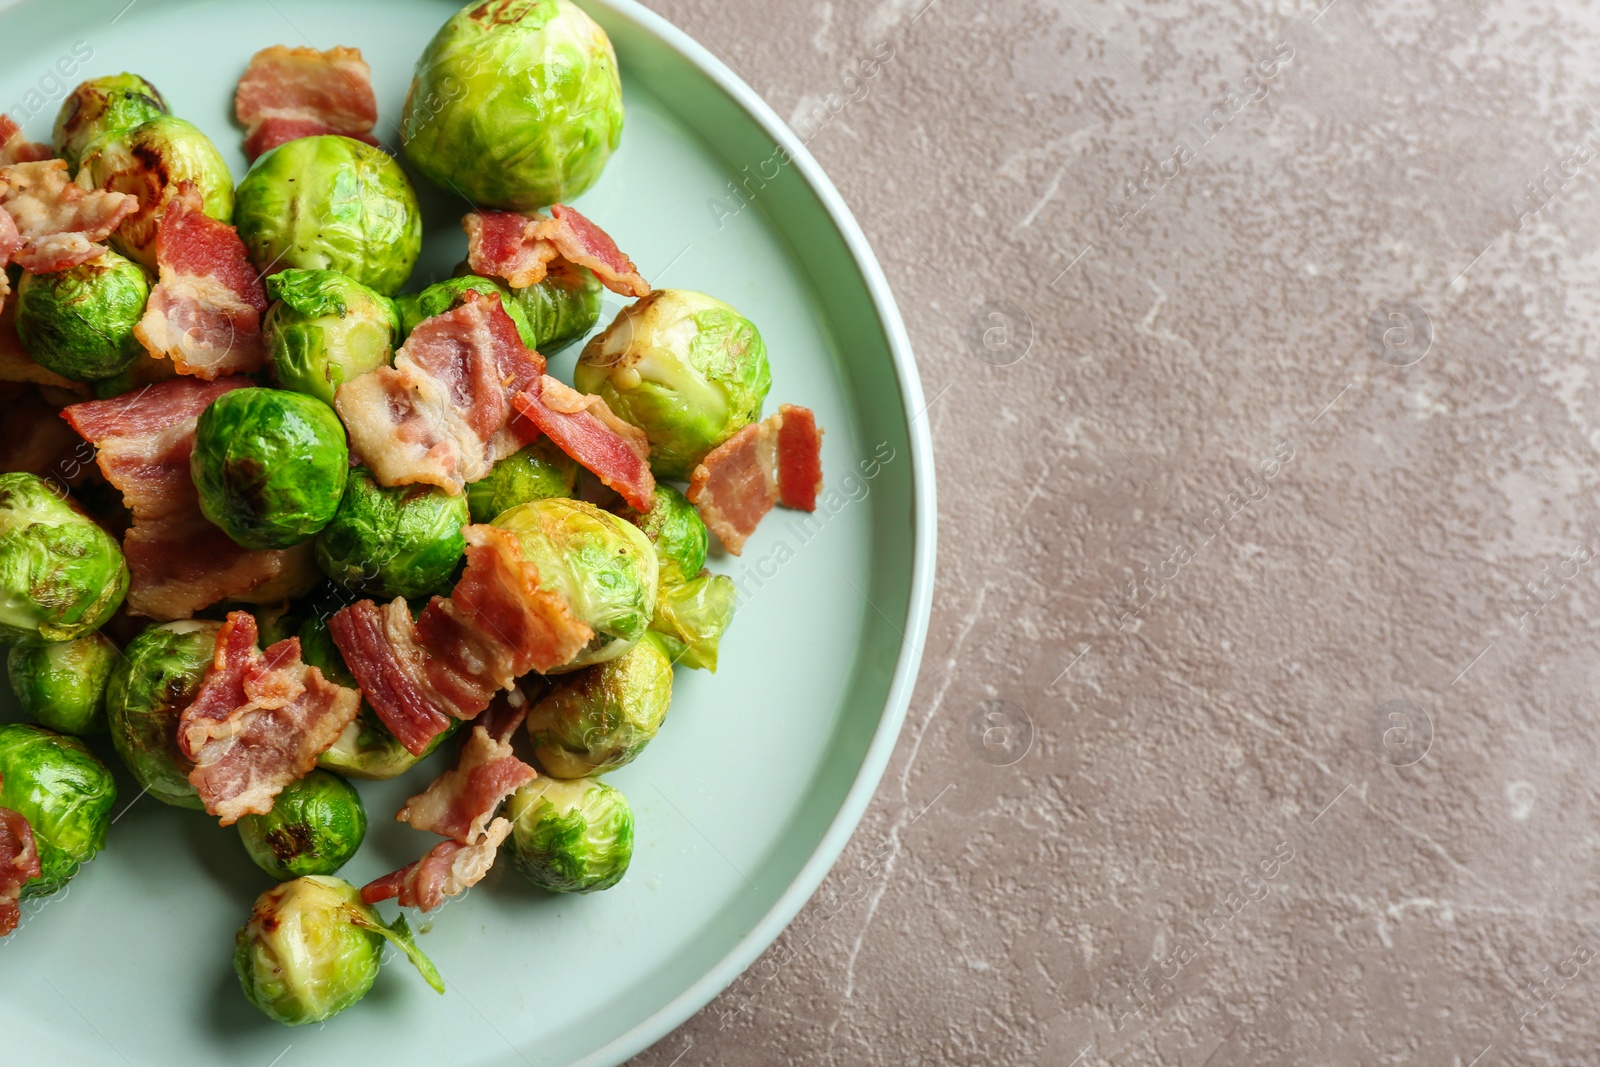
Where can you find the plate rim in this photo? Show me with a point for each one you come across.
(664, 1020)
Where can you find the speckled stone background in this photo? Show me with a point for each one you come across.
(1257, 721)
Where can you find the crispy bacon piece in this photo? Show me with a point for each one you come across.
(205, 312)
(497, 625)
(60, 224)
(288, 93)
(522, 249)
(442, 414)
(259, 721)
(15, 148)
(449, 868)
(777, 460)
(179, 562)
(19, 861)
(584, 428)
(460, 802)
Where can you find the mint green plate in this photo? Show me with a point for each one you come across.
(761, 771)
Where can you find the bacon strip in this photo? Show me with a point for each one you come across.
(205, 311)
(442, 414)
(460, 802)
(60, 224)
(523, 249)
(259, 721)
(497, 625)
(15, 148)
(449, 868)
(19, 861)
(288, 93)
(584, 428)
(777, 460)
(179, 561)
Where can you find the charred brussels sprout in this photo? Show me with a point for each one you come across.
(324, 329)
(311, 949)
(61, 576)
(687, 369)
(570, 837)
(600, 718)
(440, 297)
(515, 104)
(64, 792)
(315, 826)
(79, 322)
(332, 203)
(366, 749)
(602, 564)
(63, 684)
(677, 531)
(150, 161)
(402, 541)
(157, 677)
(108, 104)
(534, 472)
(691, 617)
(270, 466)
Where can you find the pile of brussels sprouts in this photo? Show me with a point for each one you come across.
(515, 104)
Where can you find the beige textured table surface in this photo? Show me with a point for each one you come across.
(1262, 340)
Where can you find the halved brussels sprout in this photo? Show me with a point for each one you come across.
(63, 684)
(570, 837)
(79, 322)
(677, 531)
(366, 749)
(687, 369)
(324, 329)
(331, 203)
(107, 104)
(311, 949)
(64, 792)
(601, 717)
(270, 466)
(692, 616)
(515, 104)
(315, 826)
(602, 564)
(400, 541)
(61, 576)
(534, 472)
(440, 297)
(150, 161)
(155, 680)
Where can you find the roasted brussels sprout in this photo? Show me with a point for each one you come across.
(324, 329)
(691, 617)
(534, 472)
(331, 203)
(685, 368)
(601, 717)
(401, 541)
(61, 576)
(157, 677)
(440, 297)
(602, 564)
(64, 792)
(515, 104)
(311, 949)
(366, 749)
(150, 161)
(570, 836)
(63, 684)
(79, 322)
(144, 370)
(315, 826)
(677, 531)
(270, 466)
(107, 104)
(559, 309)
